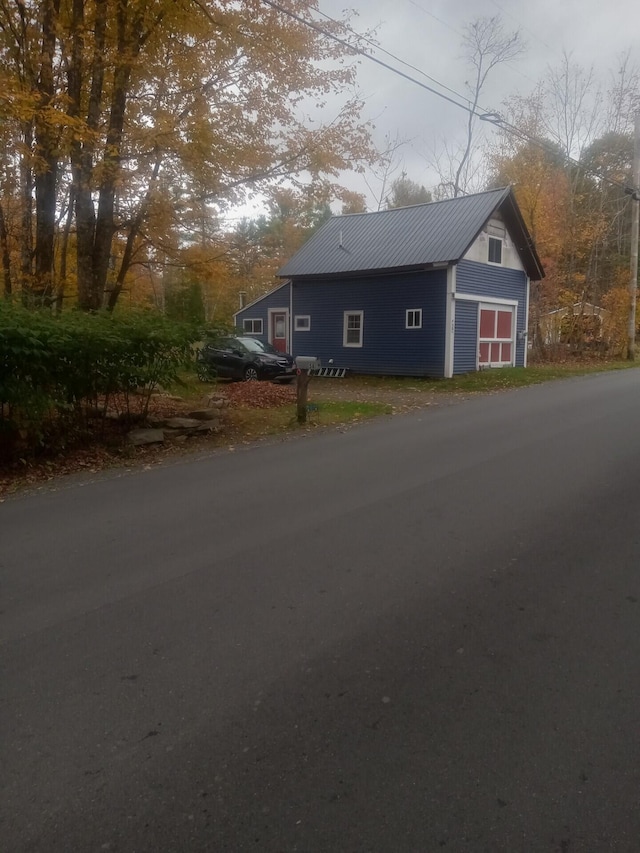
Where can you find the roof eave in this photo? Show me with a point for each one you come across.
(436, 265)
(526, 248)
(284, 281)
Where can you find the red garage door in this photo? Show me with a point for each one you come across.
(495, 341)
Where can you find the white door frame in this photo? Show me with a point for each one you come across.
(287, 326)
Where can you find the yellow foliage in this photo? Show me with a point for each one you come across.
(615, 325)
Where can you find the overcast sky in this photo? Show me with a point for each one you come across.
(428, 34)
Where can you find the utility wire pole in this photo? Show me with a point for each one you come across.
(635, 223)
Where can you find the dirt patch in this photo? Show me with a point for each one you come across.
(401, 399)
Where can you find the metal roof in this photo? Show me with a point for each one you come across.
(437, 233)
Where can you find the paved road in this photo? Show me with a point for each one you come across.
(420, 634)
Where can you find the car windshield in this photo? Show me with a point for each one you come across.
(254, 345)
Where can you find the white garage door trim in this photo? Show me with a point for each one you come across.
(496, 335)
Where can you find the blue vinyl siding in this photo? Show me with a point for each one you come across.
(278, 298)
(388, 347)
(465, 348)
(497, 282)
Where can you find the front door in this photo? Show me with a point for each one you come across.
(495, 340)
(278, 331)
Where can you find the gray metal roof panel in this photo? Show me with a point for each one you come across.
(439, 232)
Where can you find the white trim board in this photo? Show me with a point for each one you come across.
(471, 297)
(450, 323)
(259, 299)
(526, 323)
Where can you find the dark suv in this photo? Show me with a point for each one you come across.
(244, 358)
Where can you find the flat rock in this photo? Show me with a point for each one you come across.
(155, 421)
(182, 423)
(207, 426)
(177, 437)
(205, 414)
(217, 402)
(138, 437)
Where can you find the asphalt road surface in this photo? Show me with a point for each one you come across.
(419, 634)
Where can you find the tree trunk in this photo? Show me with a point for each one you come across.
(60, 293)
(47, 152)
(134, 231)
(82, 154)
(6, 257)
(130, 40)
(26, 236)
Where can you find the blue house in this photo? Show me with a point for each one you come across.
(429, 290)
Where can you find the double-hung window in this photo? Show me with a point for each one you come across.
(413, 318)
(353, 328)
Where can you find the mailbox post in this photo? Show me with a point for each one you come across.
(304, 364)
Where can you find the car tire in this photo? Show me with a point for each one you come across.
(205, 374)
(250, 373)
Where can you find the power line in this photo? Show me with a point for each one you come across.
(435, 18)
(378, 47)
(461, 35)
(490, 116)
(314, 26)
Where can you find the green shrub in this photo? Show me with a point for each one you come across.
(54, 370)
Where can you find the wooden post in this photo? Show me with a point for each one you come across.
(304, 377)
(635, 228)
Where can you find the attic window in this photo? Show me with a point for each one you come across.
(495, 250)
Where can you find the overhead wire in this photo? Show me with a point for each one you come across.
(461, 34)
(394, 56)
(490, 116)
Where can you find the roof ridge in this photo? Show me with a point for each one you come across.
(412, 236)
(504, 190)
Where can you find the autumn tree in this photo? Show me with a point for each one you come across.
(610, 158)
(134, 112)
(569, 160)
(258, 248)
(387, 163)
(405, 192)
(486, 44)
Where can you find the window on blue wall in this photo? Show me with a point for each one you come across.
(353, 327)
(302, 322)
(252, 326)
(414, 318)
(495, 250)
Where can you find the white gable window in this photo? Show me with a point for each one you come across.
(353, 328)
(302, 323)
(413, 318)
(495, 250)
(252, 326)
